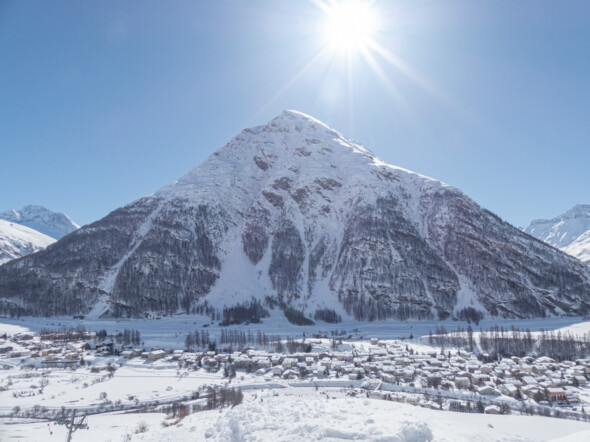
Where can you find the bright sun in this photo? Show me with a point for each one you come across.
(350, 25)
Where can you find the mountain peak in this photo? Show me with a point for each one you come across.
(293, 118)
(578, 211)
(53, 224)
(295, 122)
(292, 145)
(293, 212)
(569, 231)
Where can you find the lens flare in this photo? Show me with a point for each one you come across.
(350, 26)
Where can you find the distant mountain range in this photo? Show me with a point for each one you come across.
(31, 229)
(569, 232)
(53, 224)
(293, 215)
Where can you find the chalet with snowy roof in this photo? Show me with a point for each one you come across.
(488, 390)
(154, 355)
(539, 369)
(128, 354)
(492, 409)
(508, 390)
(462, 382)
(529, 380)
(479, 378)
(581, 380)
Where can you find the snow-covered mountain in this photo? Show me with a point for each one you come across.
(17, 241)
(295, 215)
(55, 225)
(569, 232)
(31, 229)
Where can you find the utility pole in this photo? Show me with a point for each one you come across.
(71, 424)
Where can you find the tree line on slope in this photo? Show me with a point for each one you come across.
(499, 341)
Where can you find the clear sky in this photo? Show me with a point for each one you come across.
(102, 102)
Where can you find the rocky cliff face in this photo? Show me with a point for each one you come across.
(569, 232)
(295, 214)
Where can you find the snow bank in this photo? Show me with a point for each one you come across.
(296, 415)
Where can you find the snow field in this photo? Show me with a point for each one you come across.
(304, 414)
(170, 332)
(328, 415)
(112, 427)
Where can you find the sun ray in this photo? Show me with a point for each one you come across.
(349, 24)
(378, 70)
(350, 94)
(319, 56)
(413, 74)
(353, 27)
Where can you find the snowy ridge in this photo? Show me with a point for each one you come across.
(580, 247)
(569, 232)
(17, 241)
(295, 213)
(55, 225)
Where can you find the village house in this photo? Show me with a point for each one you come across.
(556, 394)
(19, 353)
(72, 356)
(508, 390)
(572, 397)
(530, 391)
(539, 369)
(177, 355)
(390, 379)
(462, 382)
(433, 380)
(5, 349)
(479, 378)
(492, 409)
(488, 390)
(529, 380)
(154, 355)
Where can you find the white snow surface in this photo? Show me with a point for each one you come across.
(170, 331)
(53, 224)
(569, 232)
(294, 131)
(304, 415)
(310, 149)
(17, 240)
(273, 410)
(580, 247)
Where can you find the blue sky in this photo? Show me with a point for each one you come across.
(104, 102)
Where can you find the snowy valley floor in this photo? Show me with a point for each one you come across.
(305, 415)
(295, 414)
(273, 409)
(170, 331)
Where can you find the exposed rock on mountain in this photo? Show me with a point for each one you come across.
(295, 215)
